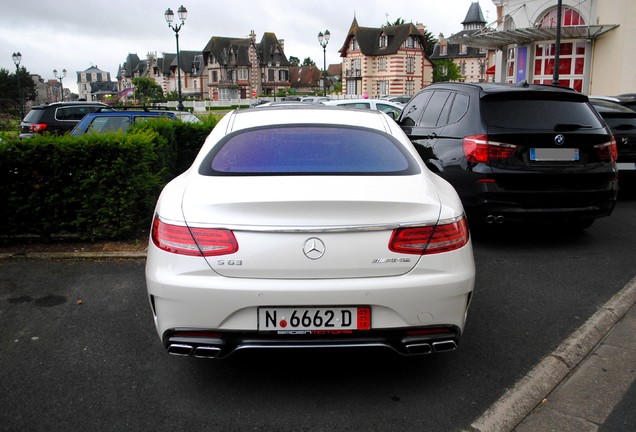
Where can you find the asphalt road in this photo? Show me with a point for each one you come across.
(78, 350)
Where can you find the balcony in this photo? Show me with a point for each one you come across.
(353, 73)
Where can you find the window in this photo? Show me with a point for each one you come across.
(352, 87)
(383, 87)
(243, 74)
(308, 150)
(460, 107)
(410, 87)
(434, 109)
(537, 114)
(571, 64)
(410, 64)
(282, 75)
(410, 42)
(415, 108)
(381, 63)
(109, 124)
(353, 44)
(215, 76)
(510, 66)
(569, 17)
(382, 43)
(270, 75)
(389, 109)
(73, 113)
(443, 49)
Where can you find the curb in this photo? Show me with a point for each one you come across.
(516, 403)
(75, 255)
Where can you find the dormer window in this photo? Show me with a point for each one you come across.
(410, 42)
(443, 50)
(353, 44)
(383, 41)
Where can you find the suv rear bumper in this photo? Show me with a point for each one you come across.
(498, 204)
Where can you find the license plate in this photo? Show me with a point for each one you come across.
(314, 318)
(554, 154)
(626, 166)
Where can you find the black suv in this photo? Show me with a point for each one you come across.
(516, 152)
(56, 118)
(622, 122)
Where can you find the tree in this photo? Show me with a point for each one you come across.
(430, 43)
(309, 62)
(147, 90)
(430, 40)
(294, 61)
(446, 70)
(398, 21)
(10, 94)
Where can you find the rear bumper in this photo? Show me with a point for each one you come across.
(220, 315)
(209, 344)
(520, 201)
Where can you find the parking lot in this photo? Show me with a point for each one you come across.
(78, 349)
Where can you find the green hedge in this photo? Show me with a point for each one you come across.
(95, 186)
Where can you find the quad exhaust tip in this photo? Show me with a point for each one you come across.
(426, 348)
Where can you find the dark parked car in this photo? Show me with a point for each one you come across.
(116, 121)
(516, 152)
(56, 118)
(622, 122)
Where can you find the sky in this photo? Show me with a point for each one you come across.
(76, 35)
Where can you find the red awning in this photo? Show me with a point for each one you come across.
(490, 70)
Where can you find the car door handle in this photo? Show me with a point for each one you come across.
(432, 136)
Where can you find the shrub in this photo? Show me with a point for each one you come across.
(97, 186)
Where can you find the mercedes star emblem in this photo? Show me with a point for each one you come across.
(314, 248)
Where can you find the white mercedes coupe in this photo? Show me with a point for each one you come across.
(313, 227)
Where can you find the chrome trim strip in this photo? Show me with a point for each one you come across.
(324, 229)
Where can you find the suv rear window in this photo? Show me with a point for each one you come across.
(309, 150)
(541, 114)
(34, 115)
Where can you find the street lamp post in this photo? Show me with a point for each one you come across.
(169, 15)
(557, 50)
(17, 58)
(60, 78)
(323, 40)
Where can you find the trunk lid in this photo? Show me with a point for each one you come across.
(311, 226)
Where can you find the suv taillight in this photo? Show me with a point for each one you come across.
(183, 240)
(430, 239)
(607, 151)
(37, 127)
(478, 149)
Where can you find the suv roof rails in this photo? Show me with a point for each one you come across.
(134, 108)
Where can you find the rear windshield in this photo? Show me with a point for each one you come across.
(309, 150)
(34, 115)
(621, 123)
(539, 114)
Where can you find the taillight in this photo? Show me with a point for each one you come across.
(37, 127)
(478, 149)
(430, 239)
(607, 150)
(183, 240)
